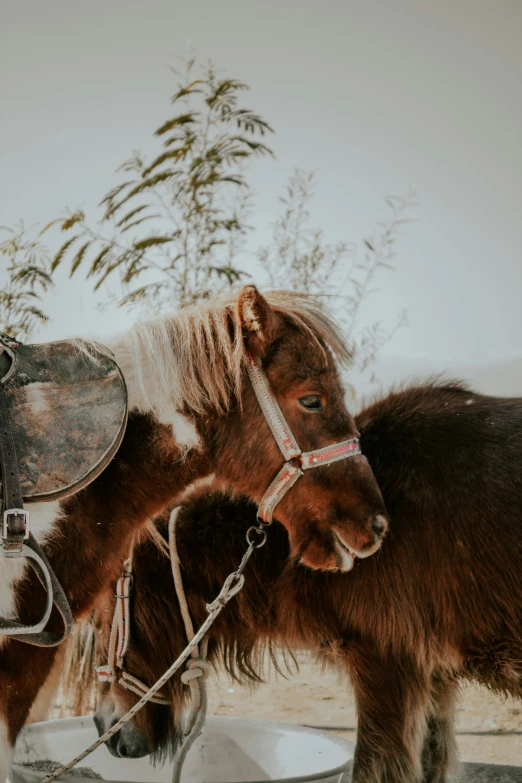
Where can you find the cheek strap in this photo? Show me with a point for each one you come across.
(284, 437)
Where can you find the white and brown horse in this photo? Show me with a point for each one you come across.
(193, 413)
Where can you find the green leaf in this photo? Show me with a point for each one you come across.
(188, 90)
(108, 270)
(60, 254)
(77, 260)
(235, 180)
(98, 261)
(134, 269)
(115, 192)
(181, 119)
(142, 244)
(130, 215)
(71, 221)
(170, 155)
(48, 226)
(139, 294)
(137, 222)
(163, 176)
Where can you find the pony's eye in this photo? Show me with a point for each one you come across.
(312, 402)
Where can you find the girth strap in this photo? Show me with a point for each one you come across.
(16, 538)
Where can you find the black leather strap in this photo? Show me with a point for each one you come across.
(11, 491)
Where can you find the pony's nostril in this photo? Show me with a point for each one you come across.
(128, 744)
(123, 751)
(379, 525)
(129, 749)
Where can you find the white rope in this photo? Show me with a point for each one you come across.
(224, 598)
(196, 669)
(178, 579)
(194, 677)
(138, 687)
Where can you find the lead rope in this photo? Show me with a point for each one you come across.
(196, 668)
(232, 585)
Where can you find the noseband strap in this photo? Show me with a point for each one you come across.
(284, 437)
(114, 670)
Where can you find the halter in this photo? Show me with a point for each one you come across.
(114, 669)
(288, 446)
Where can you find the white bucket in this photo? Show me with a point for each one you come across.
(230, 750)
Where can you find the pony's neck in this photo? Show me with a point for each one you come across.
(211, 546)
(149, 471)
(150, 398)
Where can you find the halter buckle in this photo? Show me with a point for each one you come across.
(15, 523)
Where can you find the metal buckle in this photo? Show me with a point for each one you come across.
(9, 512)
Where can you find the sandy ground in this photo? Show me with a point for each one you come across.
(489, 728)
(323, 699)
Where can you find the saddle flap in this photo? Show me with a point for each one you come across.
(68, 411)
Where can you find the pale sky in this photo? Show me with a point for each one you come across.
(375, 95)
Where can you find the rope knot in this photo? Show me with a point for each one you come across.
(228, 591)
(195, 668)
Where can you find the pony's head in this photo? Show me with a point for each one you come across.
(334, 511)
(211, 543)
(154, 730)
(193, 370)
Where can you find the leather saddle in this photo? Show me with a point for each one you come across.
(63, 411)
(68, 411)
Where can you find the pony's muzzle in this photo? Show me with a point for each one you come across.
(127, 743)
(379, 526)
(366, 545)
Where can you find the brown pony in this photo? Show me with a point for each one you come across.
(441, 602)
(193, 414)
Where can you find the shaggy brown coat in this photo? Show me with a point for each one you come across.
(440, 602)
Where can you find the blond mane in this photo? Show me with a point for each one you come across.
(194, 359)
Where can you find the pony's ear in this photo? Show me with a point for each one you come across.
(259, 323)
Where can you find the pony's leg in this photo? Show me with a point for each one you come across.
(23, 671)
(393, 697)
(439, 755)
